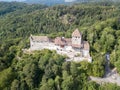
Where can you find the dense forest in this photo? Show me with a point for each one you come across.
(46, 70)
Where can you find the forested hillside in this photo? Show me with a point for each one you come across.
(46, 70)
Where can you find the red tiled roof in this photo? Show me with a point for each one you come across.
(68, 41)
(60, 41)
(63, 41)
(76, 33)
(76, 46)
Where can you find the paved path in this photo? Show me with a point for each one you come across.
(113, 77)
(106, 80)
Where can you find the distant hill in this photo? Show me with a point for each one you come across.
(47, 2)
(54, 2)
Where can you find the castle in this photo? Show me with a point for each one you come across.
(75, 48)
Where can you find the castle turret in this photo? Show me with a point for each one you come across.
(76, 39)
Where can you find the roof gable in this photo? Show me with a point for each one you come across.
(76, 33)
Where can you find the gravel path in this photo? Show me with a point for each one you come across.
(113, 79)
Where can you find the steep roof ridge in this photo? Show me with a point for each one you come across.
(77, 33)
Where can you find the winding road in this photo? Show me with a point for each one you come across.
(111, 76)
